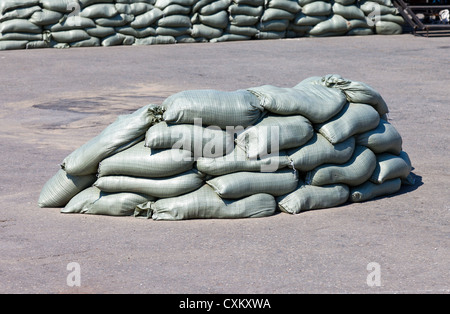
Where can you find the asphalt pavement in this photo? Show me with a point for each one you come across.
(52, 101)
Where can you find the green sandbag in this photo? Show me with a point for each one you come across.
(70, 36)
(127, 130)
(205, 31)
(237, 161)
(205, 203)
(157, 187)
(141, 161)
(242, 184)
(390, 167)
(354, 172)
(147, 18)
(218, 108)
(383, 139)
(57, 5)
(19, 26)
(20, 13)
(95, 202)
(307, 197)
(388, 28)
(105, 10)
(201, 141)
(6, 5)
(319, 151)
(217, 20)
(334, 25)
(45, 17)
(273, 134)
(317, 8)
(353, 119)
(370, 190)
(315, 102)
(357, 92)
(348, 11)
(59, 189)
(287, 5)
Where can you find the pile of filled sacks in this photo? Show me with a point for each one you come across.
(87, 23)
(238, 154)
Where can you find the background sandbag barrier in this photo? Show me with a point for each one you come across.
(238, 154)
(87, 23)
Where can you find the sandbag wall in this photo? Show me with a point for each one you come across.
(238, 154)
(87, 23)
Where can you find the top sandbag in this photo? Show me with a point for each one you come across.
(315, 102)
(218, 108)
(126, 131)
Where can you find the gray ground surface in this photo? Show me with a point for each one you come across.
(52, 101)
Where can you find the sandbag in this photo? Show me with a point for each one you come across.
(315, 102)
(388, 28)
(237, 161)
(348, 11)
(354, 172)
(273, 134)
(369, 190)
(201, 141)
(106, 10)
(319, 150)
(390, 167)
(45, 17)
(242, 184)
(141, 161)
(317, 8)
(60, 188)
(127, 130)
(205, 203)
(6, 5)
(62, 6)
(336, 25)
(158, 187)
(147, 18)
(70, 36)
(308, 197)
(13, 44)
(19, 26)
(213, 107)
(20, 13)
(383, 139)
(357, 92)
(353, 119)
(95, 202)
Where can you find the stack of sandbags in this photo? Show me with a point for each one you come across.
(209, 19)
(244, 16)
(382, 16)
(15, 28)
(276, 17)
(238, 154)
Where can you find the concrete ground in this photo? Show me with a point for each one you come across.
(52, 101)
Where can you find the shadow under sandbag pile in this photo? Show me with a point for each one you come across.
(238, 154)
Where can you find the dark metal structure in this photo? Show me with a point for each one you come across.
(429, 9)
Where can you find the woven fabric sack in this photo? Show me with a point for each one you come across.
(315, 102)
(141, 161)
(157, 187)
(353, 119)
(354, 172)
(273, 134)
(320, 151)
(201, 141)
(242, 184)
(307, 197)
(205, 203)
(383, 139)
(95, 202)
(126, 131)
(390, 167)
(237, 161)
(217, 108)
(369, 190)
(61, 187)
